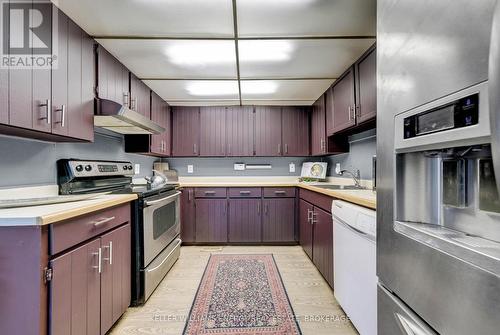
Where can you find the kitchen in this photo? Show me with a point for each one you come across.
(249, 167)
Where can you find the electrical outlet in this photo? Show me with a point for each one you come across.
(190, 168)
(239, 166)
(291, 167)
(137, 168)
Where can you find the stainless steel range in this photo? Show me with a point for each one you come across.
(156, 221)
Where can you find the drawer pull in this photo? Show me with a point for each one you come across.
(245, 192)
(99, 260)
(102, 221)
(110, 253)
(209, 192)
(279, 192)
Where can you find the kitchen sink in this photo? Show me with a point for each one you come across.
(341, 187)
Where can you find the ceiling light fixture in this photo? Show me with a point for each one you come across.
(196, 53)
(265, 51)
(258, 87)
(213, 88)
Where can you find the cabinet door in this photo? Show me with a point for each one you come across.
(140, 96)
(323, 243)
(245, 220)
(112, 78)
(318, 127)
(74, 292)
(278, 223)
(156, 145)
(188, 216)
(343, 103)
(167, 124)
(185, 131)
(213, 131)
(115, 276)
(211, 220)
(329, 111)
(268, 131)
(366, 107)
(240, 131)
(60, 79)
(305, 227)
(295, 131)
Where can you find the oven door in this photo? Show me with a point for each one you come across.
(161, 220)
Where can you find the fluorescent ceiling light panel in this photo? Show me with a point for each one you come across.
(265, 51)
(200, 52)
(258, 87)
(212, 88)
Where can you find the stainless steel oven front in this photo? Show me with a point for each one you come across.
(161, 223)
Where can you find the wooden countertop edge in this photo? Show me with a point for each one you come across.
(69, 214)
(338, 194)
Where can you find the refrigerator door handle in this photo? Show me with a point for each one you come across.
(494, 87)
(409, 327)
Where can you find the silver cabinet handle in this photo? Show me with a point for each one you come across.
(309, 217)
(229, 149)
(358, 111)
(126, 101)
(99, 260)
(209, 192)
(133, 104)
(286, 148)
(258, 208)
(245, 192)
(48, 116)
(279, 192)
(190, 195)
(279, 148)
(102, 221)
(63, 115)
(110, 252)
(349, 112)
(195, 149)
(313, 217)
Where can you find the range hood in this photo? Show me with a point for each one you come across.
(120, 119)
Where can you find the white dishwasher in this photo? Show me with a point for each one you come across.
(355, 279)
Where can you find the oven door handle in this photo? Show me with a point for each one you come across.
(178, 241)
(154, 202)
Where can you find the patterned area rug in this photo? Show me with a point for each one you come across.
(241, 294)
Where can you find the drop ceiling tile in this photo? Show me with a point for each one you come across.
(277, 102)
(283, 90)
(195, 90)
(171, 59)
(306, 18)
(185, 18)
(323, 58)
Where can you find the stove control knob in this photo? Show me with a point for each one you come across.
(88, 168)
(130, 167)
(79, 168)
(125, 167)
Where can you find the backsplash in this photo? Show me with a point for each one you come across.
(28, 162)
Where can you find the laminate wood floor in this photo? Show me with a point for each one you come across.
(167, 309)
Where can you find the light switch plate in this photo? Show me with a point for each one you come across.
(291, 167)
(190, 168)
(137, 168)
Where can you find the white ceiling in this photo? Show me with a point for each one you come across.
(284, 52)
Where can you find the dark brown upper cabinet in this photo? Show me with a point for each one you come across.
(366, 88)
(213, 131)
(344, 104)
(295, 131)
(268, 131)
(352, 100)
(112, 78)
(318, 127)
(186, 132)
(57, 103)
(140, 96)
(240, 131)
(154, 145)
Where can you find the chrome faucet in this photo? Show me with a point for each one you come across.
(356, 176)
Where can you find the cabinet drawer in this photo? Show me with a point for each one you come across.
(66, 234)
(245, 192)
(210, 192)
(279, 192)
(317, 199)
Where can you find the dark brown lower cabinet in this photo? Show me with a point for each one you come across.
(211, 220)
(323, 243)
(75, 291)
(245, 220)
(87, 297)
(306, 227)
(278, 220)
(188, 217)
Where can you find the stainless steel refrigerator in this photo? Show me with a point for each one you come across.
(438, 150)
